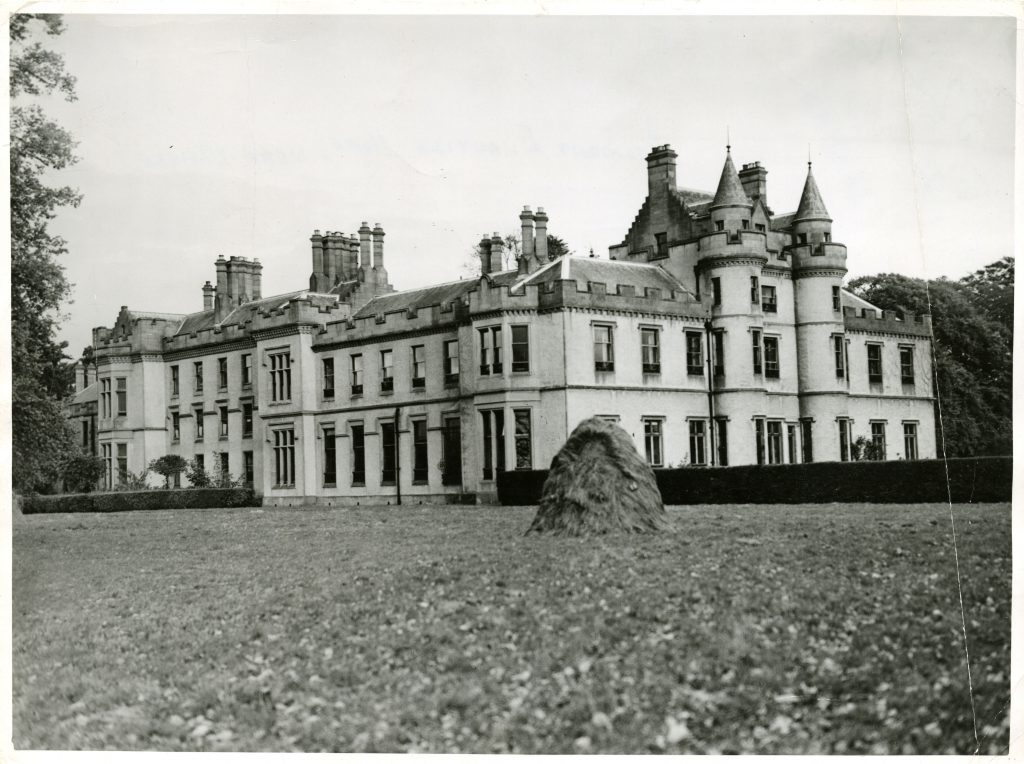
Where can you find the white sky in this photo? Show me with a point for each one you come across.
(238, 135)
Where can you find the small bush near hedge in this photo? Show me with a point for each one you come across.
(976, 479)
(129, 501)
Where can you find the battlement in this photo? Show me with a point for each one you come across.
(891, 321)
(732, 243)
(389, 323)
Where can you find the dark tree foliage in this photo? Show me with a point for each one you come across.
(972, 321)
(168, 466)
(557, 247)
(83, 472)
(41, 375)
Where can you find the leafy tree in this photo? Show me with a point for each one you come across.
(83, 472)
(168, 466)
(40, 374)
(511, 252)
(197, 475)
(972, 322)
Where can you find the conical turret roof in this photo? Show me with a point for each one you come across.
(811, 206)
(730, 190)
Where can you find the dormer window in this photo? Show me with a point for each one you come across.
(719, 225)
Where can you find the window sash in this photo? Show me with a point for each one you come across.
(451, 358)
(520, 348)
(910, 441)
(222, 373)
(769, 302)
(200, 417)
(356, 369)
(223, 421)
(175, 383)
(358, 434)
(284, 457)
(653, 442)
(694, 353)
(247, 370)
(246, 419)
(604, 348)
(774, 430)
(755, 338)
(330, 457)
(419, 451)
(771, 357)
(328, 372)
(523, 439)
(839, 353)
(197, 376)
(650, 350)
(907, 366)
(122, 396)
(874, 363)
(388, 462)
(697, 442)
(419, 362)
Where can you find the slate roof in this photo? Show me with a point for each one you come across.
(730, 189)
(782, 222)
(144, 314)
(850, 300)
(204, 319)
(811, 204)
(438, 294)
(88, 395)
(609, 272)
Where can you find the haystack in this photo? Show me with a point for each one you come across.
(598, 483)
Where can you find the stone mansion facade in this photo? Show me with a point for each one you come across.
(716, 333)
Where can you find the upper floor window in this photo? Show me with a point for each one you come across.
(759, 227)
(281, 376)
(328, 376)
(222, 373)
(768, 299)
(223, 411)
(246, 420)
(745, 225)
(802, 238)
(661, 244)
(755, 290)
(771, 357)
(451, 362)
(650, 350)
(718, 336)
(490, 350)
(716, 290)
(175, 384)
(175, 425)
(387, 371)
(198, 417)
(755, 340)
(247, 370)
(419, 366)
(604, 351)
(835, 299)
(419, 451)
(719, 225)
(907, 365)
(197, 376)
(520, 348)
(122, 396)
(356, 373)
(839, 352)
(694, 353)
(874, 364)
(105, 398)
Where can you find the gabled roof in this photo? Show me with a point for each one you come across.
(609, 272)
(88, 395)
(811, 206)
(694, 196)
(850, 300)
(730, 190)
(205, 319)
(438, 294)
(782, 222)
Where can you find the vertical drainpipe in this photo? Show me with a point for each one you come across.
(398, 470)
(711, 396)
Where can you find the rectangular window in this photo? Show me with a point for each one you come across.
(105, 402)
(85, 433)
(907, 365)
(722, 442)
(284, 457)
(661, 245)
(520, 348)
(650, 351)
(771, 357)
(836, 300)
(493, 442)
(791, 442)
(419, 366)
(328, 375)
(769, 302)
(806, 441)
(524, 439)
(199, 419)
(224, 465)
(759, 440)
(419, 451)
(175, 426)
(874, 364)
(652, 442)
(108, 464)
(490, 350)
(330, 458)
(774, 442)
(358, 454)
(878, 440)
(175, 382)
(745, 225)
(357, 374)
(719, 225)
(122, 396)
(388, 461)
(755, 291)
(222, 373)
(910, 440)
(716, 290)
(281, 377)
(604, 350)
(844, 440)
(200, 462)
(451, 362)
(247, 470)
(197, 376)
(759, 227)
(755, 340)
(387, 371)
(802, 238)
(451, 456)
(694, 353)
(718, 337)
(246, 420)
(223, 421)
(698, 455)
(247, 370)
(122, 462)
(839, 353)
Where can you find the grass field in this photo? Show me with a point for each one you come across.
(745, 629)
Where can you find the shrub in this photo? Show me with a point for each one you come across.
(83, 472)
(197, 475)
(128, 501)
(168, 465)
(132, 481)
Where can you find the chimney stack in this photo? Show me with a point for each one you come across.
(207, 296)
(497, 252)
(364, 247)
(378, 246)
(257, 278)
(331, 258)
(661, 170)
(485, 254)
(526, 218)
(221, 300)
(755, 181)
(541, 240)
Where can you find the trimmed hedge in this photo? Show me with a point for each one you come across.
(976, 479)
(129, 501)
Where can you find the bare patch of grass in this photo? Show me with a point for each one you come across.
(743, 629)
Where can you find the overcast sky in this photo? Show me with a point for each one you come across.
(207, 135)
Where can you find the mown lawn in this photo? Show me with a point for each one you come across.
(746, 629)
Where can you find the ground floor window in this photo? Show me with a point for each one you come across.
(698, 454)
(330, 458)
(358, 454)
(493, 442)
(247, 468)
(108, 463)
(759, 440)
(419, 450)
(122, 462)
(878, 440)
(910, 440)
(524, 439)
(774, 442)
(721, 443)
(388, 460)
(652, 442)
(791, 442)
(225, 471)
(451, 445)
(284, 457)
(844, 440)
(806, 442)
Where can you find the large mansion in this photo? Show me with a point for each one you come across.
(716, 333)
